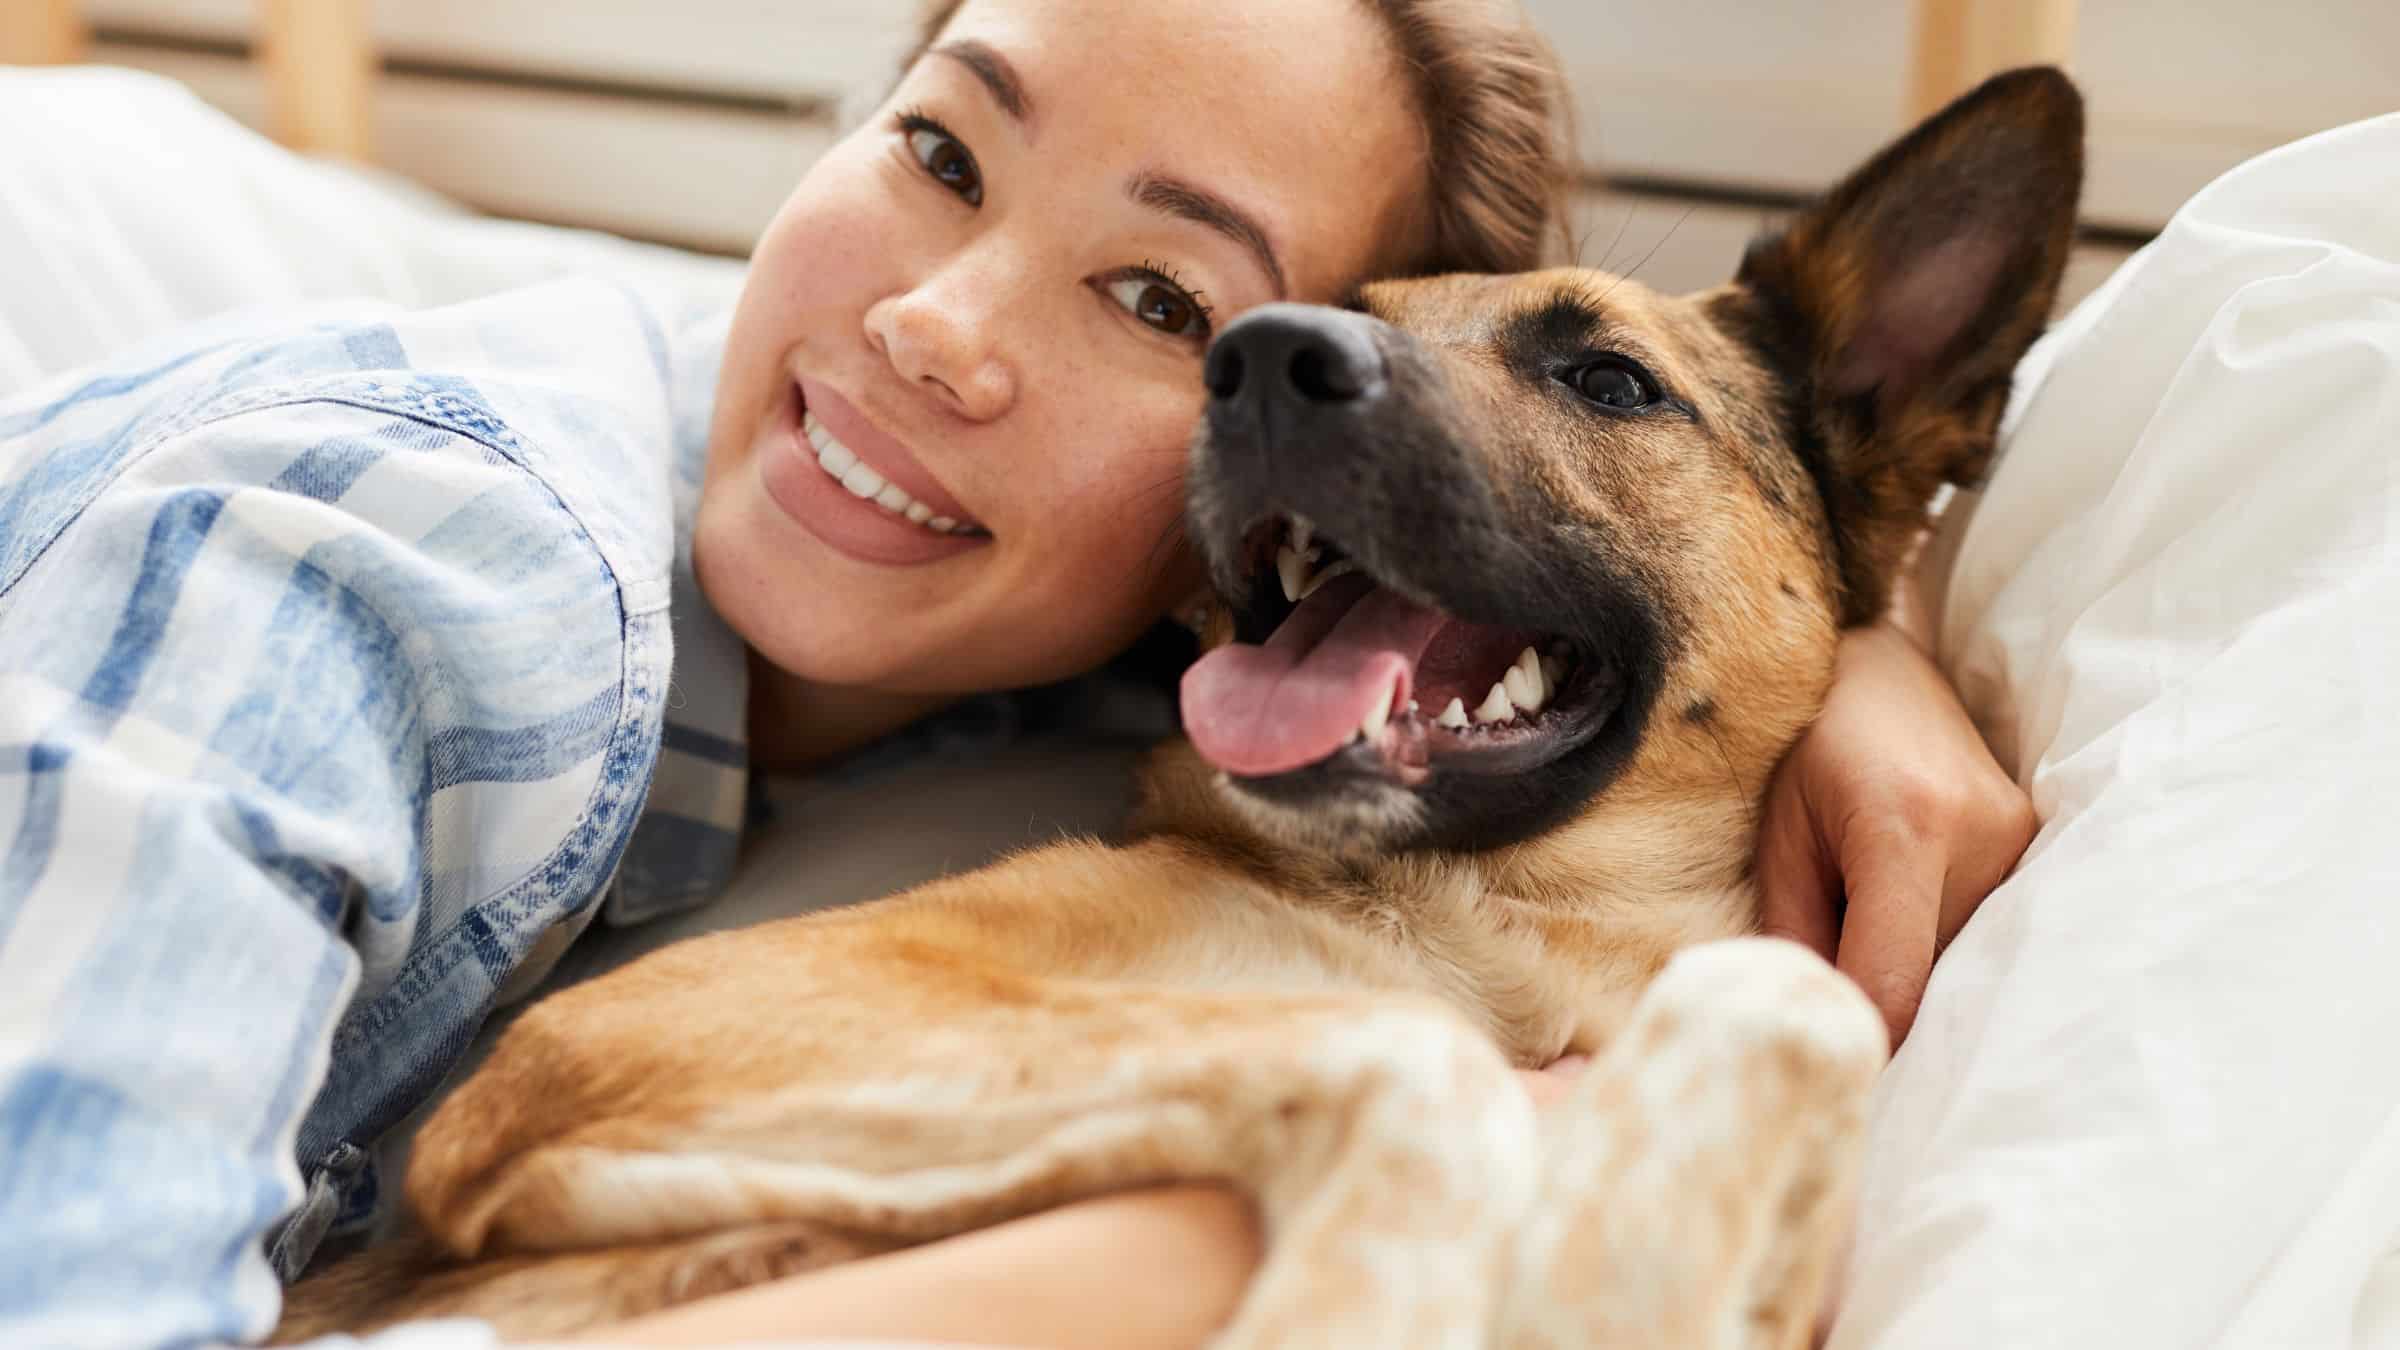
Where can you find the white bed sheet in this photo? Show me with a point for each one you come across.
(129, 208)
(2151, 1098)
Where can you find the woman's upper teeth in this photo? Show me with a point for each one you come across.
(846, 468)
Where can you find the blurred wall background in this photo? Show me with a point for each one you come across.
(686, 121)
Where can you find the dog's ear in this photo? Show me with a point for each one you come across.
(1896, 309)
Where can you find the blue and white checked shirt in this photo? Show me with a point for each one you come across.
(335, 668)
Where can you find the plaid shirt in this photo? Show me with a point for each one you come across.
(334, 677)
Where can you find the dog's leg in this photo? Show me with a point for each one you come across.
(903, 1091)
(1699, 1177)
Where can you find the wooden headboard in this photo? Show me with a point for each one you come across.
(687, 121)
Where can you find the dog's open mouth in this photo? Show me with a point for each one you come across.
(1330, 660)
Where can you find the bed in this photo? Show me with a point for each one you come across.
(2144, 1104)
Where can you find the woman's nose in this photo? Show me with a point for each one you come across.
(940, 340)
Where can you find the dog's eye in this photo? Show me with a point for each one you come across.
(1613, 384)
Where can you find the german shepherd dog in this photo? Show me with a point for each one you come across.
(1528, 584)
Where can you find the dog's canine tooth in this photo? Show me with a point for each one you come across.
(1524, 683)
(1522, 695)
(1380, 714)
(1496, 707)
(1454, 716)
(1301, 531)
(1293, 570)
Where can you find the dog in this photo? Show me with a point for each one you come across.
(1528, 583)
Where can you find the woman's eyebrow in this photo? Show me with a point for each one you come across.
(1201, 207)
(998, 76)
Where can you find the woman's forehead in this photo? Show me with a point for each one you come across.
(1290, 108)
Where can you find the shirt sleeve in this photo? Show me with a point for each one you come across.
(223, 707)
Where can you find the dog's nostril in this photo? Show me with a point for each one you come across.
(1223, 372)
(1322, 377)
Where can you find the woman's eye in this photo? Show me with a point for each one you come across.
(1613, 384)
(1160, 304)
(948, 161)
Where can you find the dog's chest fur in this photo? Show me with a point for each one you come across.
(1541, 970)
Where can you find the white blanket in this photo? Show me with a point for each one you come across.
(129, 208)
(2151, 1099)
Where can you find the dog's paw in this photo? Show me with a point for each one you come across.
(1744, 996)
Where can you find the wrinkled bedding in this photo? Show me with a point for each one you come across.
(2151, 1099)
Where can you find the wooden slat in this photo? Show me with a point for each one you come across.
(1959, 43)
(767, 50)
(1762, 97)
(41, 32)
(320, 70)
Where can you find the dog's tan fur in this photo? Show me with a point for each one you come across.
(1330, 1029)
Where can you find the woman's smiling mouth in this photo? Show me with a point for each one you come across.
(856, 475)
(858, 490)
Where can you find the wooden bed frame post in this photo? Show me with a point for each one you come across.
(1958, 43)
(41, 33)
(318, 57)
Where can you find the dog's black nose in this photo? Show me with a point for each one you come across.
(1305, 355)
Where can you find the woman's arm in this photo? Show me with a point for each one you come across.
(1890, 821)
(1163, 1268)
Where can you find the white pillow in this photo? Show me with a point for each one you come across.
(128, 208)
(2152, 1098)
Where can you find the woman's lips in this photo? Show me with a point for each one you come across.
(798, 479)
(857, 444)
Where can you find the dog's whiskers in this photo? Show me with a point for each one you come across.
(1654, 248)
(1613, 240)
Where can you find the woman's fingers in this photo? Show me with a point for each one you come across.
(1798, 887)
(1895, 878)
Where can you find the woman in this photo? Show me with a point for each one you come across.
(339, 657)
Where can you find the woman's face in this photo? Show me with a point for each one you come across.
(950, 433)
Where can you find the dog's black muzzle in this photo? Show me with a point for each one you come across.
(1343, 419)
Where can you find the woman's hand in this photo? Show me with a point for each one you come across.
(1887, 824)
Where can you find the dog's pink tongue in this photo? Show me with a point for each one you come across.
(1270, 709)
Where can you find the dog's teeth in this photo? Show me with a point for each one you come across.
(1521, 694)
(1293, 570)
(1301, 531)
(1496, 707)
(1314, 583)
(1380, 714)
(1454, 716)
(1524, 683)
